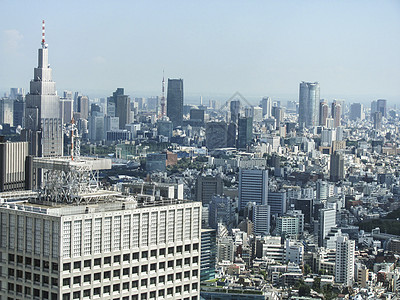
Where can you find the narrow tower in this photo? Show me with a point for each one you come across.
(43, 122)
(163, 97)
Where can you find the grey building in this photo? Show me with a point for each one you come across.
(253, 187)
(43, 122)
(83, 106)
(175, 101)
(13, 157)
(337, 167)
(235, 110)
(221, 210)
(245, 132)
(165, 127)
(207, 186)
(356, 111)
(208, 254)
(156, 162)
(277, 202)
(309, 104)
(216, 135)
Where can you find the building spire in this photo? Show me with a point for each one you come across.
(43, 35)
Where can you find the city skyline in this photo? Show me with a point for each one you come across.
(259, 49)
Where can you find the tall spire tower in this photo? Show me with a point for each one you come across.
(163, 97)
(43, 119)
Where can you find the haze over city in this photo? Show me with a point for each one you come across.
(258, 48)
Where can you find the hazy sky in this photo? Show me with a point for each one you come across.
(218, 47)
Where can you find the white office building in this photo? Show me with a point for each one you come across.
(143, 248)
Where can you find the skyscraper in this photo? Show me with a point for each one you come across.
(175, 101)
(377, 118)
(336, 167)
(245, 132)
(336, 113)
(207, 186)
(344, 266)
(216, 135)
(309, 104)
(327, 220)
(323, 112)
(253, 187)
(356, 111)
(43, 122)
(83, 106)
(266, 104)
(261, 219)
(381, 106)
(235, 110)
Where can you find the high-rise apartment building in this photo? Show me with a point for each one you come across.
(208, 254)
(309, 104)
(253, 187)
(336, 113)
(277, 202)
(43, 122)
(323, 112)
(175, 101)
(377, 118)
(344, 267)
(83, 106)
(327, 220)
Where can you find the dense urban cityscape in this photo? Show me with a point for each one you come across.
(125, 197)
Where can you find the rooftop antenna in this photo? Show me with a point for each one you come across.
(43, 35)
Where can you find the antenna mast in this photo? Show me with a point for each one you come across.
(43, 35)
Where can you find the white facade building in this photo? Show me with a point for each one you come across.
(118, 250)
(344, 268)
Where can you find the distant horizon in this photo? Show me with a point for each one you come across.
(259, 48)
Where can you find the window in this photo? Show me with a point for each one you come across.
(170, 291)
(135, 284)
(170, 277)
(117, 273)
(11, 257)
(27, 290)
(125, 271)
(106, 289)
(125, 286)
(97, 262)
(67, 282)
(144, 268)
(28, 275)
(178, 249)
(116, 287)
(187, 248)
(77, 265)
(153, 253)
(77, 279)
(187, 261)
(20, 259)
(171, 250)
(86, 293)
(96, 291)
(28, 261)
(66, 267)
(187, 274)
(76, 295)
(54, 267)
(153, 267)
(135, 270)
(152, 295)
(194, 286)
(20, 274)
(87, 263)
(36, 263)
(36, 277)
(161, 279)
(11, 272)
(153, 280)
(127, 257)
(161, 293)
(117, 258)
(161, 265)
(107, 275)
(195, 259)
(135, 256)
(179, 262)
(196, 247)
(178, 289)
(178, 276)
(45, 279)
(107, 260)
(86, 278)
(97, 276)
(161, 252)
(145, 254)
(186, 288)
(143, 282)
(195, 273)
(170, 264)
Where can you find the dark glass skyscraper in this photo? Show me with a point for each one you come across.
(175, 101)
(245, 132)
(309, 104)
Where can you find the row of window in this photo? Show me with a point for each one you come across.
(36, 263)
(135, 283)
(128, 257)
(37, 278)
(42, 294)
(143, 296)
